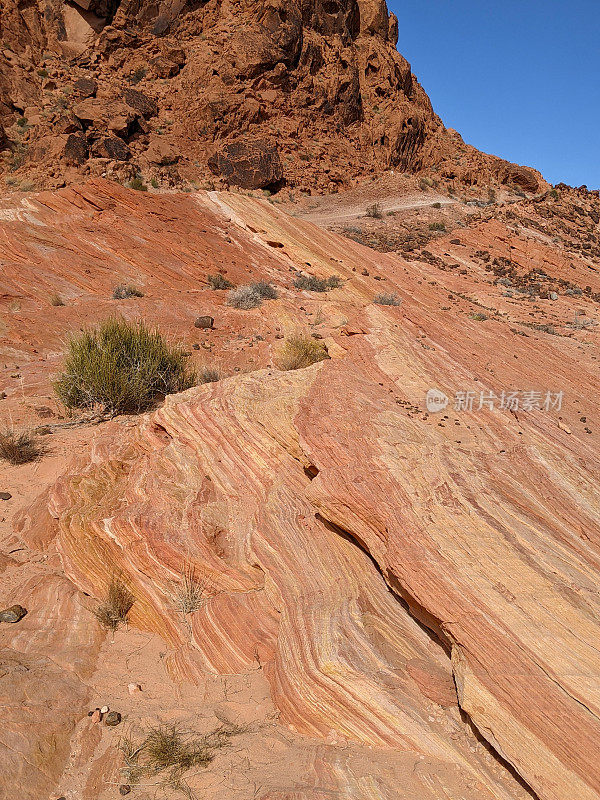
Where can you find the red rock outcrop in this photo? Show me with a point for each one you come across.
(320, 82)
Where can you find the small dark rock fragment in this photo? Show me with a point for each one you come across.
(112, 718)
(204, 322)
(12, 614)
(124, 789)
(5, 495)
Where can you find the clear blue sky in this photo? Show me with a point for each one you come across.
(517, 79)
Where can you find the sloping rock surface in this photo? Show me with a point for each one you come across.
(406, 601)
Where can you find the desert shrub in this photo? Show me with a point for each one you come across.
(265, 290)
(154, 183)
(43, 73)
(122, 367)
(169, 751)
(311, 283)
(186, 596)
(244, 297)
(301, 351)
(22, 122)
(209, 375)
(425, 183)
(138, 184)
(374, 211)
(436, 205)
(553, 193)
(218, 281)
(114, 610)
(56, 300)
(123, 291)
(479, 316)
(437, 226)
(387, 299)
(19, 448)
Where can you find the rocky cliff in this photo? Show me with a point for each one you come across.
(257, 94)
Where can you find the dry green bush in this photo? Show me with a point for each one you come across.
(310, 283)
(125, 290)
(301, 351)
(19, 448)
(169, 751)
(122, 367)
(244, 297)
(113, 612)
(375, 211)
(384, 299)
(218, 281)
(266, 290)
(209, 375)
(187, 595)
(56, 300)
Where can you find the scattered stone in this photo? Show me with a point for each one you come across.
(5, 495)
(553, 296)
(85, 87)
(249, 164)
(13, 614)
(104, 710)
(76, 149)
(111, 147)
(204, 322)
(134, 687)
(112, 718)
(96, 716)
(161, 152)
(140, 102)
(124, 788)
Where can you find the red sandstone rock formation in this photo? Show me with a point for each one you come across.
(322, 82)
(372, 571)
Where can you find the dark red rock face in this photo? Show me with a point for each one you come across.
(248, 164)
(320, 80)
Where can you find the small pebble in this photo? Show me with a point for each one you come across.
(96, 716)
(124, 788)
(104, 710)
(134, 687)
(13, 614)
(112, 718)
(5, 495)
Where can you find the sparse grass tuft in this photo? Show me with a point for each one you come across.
(218, 281)
(244, 297)
(19, 448)
(436, 205)
(56, 300)
(266, 290)
(170, 751)
(113, 612)
(437, 226)
(209, 375)
(311, 283)
(301, 351)
(374, 211)
(479, 316)
(187, 595)
(387, 299)
(121, 367)
(124, 291)
(138, 184)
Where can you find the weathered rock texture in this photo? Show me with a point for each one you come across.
(321, 83)
(381, 578)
